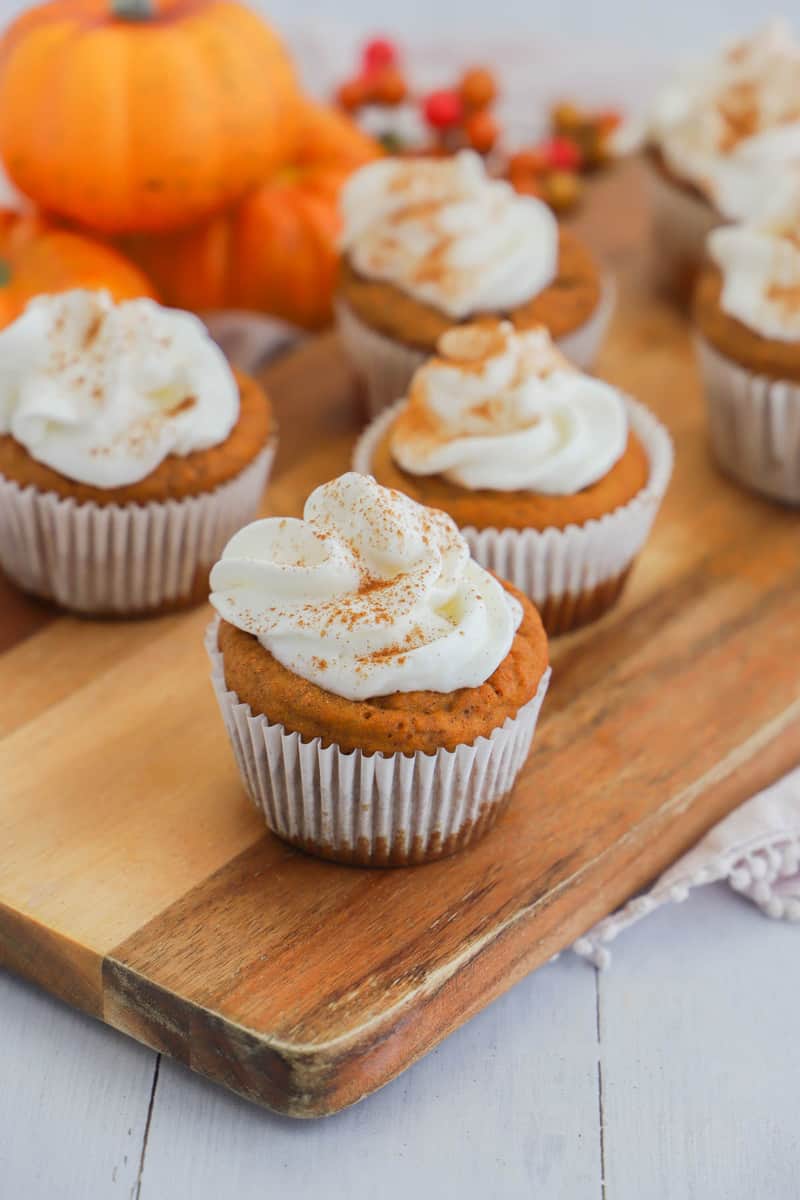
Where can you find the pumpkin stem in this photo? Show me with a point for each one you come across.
(133, 10)
(5, 272)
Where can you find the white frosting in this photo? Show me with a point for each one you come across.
(760, 266)
(448, 235)
(102, 393)
(504, 410)
(368, 595)
(732, 125)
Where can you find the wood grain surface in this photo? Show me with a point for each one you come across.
(139, 885)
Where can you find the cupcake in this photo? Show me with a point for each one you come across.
(718, 133)
(129, 453)
(379, 687)
(431, 243)
(553, 477)
(747, 320)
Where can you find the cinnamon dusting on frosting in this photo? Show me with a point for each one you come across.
(447, 234)
(470, 349)
(502, 410)
(786, 296)
(382, 606)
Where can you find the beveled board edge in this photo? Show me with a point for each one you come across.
(313, 1080)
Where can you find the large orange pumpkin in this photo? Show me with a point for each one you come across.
(36, 258)
(126, 115)
(275, 251)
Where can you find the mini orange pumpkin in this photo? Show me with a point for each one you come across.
(36, 258)
(126, 115)
(327, 136)
(276, 250)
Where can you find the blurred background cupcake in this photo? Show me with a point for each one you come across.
(429, 243)
(747, 318)
(720, 134)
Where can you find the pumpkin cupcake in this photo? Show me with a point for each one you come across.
(129, 453)
(431, 243)
(719, 133)
(379, 687)
(553, 476)
(747, 318)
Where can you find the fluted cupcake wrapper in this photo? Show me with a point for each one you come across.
(123, 560)
(572, 575)
(682, 222)
(373, 809)
(754, 425)
(386, 366)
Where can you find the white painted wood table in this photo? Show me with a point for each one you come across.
(674, 1075)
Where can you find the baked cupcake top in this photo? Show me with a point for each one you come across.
(446, 234)
(102, 393)
(724, 124)
(368, 595)
(505, 411)
(759, 264)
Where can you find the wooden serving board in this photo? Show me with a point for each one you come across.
(137, 883)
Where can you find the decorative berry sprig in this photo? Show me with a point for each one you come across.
(579, 140)
(455, 117)
(380, 79)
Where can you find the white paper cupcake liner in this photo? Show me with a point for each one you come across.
(573, 574)
(386, 366)
(754, 425)
(682, 222)
(123, 559)
(373, 809)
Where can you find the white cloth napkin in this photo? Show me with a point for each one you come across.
(756, 850)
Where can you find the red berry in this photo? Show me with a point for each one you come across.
(377, 54)
(443, 109)
(562, 154)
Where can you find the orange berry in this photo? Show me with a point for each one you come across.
(478, 88)
(388, 86)
(527, 163)
(608, 119)
(352, 94)
(528, 185)
(566, 117)
(562, 190)
(481, 130)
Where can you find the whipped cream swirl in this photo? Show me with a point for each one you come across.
(445, 233)
(760, 266)
(102, 393)
(369, 594)
(731, 125)
(504, 410)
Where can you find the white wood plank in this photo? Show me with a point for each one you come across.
(700, 1038)
(74, 1098)
(507, 1106)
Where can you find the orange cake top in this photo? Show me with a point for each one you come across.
(748, 302)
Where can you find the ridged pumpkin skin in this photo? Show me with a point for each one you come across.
(36, 258)
(123, 124)
(275, 251)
